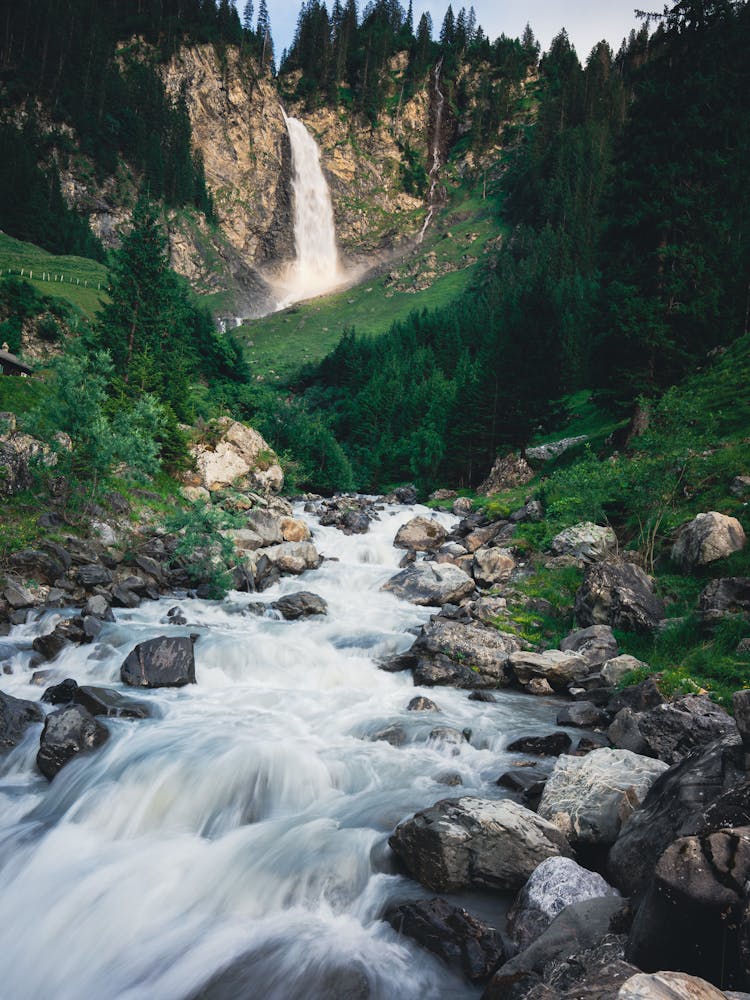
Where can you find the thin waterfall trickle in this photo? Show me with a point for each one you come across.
(316, 268)
(436, 163)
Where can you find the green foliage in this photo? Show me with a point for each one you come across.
(202, 549)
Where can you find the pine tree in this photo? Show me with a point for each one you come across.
(247, 15)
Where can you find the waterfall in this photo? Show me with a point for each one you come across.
(435, 167)
(316, 268)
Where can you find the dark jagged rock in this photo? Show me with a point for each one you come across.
(300, 605)
(462, 941)
(430, 584)
(528, 782)
(398, 663)
(162, 662)
(68, 732)
(620, 595)
(638, 698)
(422, 704)
(542, 746)
(93, 575)
(96, 700)
(152, 567)
(16, 715)
(484, 696)
(123, 597)
(395, 734)
(583, 714)
(98, 606)
(38, 565)
(65, 633)
(675, 728)
(729, 596)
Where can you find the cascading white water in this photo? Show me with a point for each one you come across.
(235, 845)
(316, 268)
(436, 164)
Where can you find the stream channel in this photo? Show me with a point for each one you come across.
(235, 845)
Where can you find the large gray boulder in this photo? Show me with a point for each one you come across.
(586, 541)
(303, 604)
(706, 538)
(166, 661)
(430, 584)
(620, 595)
(492, 566)
(555, 884)
(558, 668)
(421, 534)
(68, 732)
(589, 798)
(672, 730)
(596, 644)
(459, 654)
(460, 843)
(16, 715)
(289, 557)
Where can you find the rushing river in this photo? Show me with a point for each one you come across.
(234, 847)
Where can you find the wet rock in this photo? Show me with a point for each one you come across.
(430, 585)
(354, 522)
(586, 541)
(161, 662)
(594, 741)
(176, 617)
(458, 654)
(539, 687)
(123, 597)
(462, 941)
(674, 729)
(67, 733)
(625, 733)
(422, 704)
(728, 596)
(459, 843)
(668, 986)
(16, 715)
(528, 782)
(395, 734)
(620, 595)
(555, 884)
(406, 495)
(542, 746)
(483, 696)
(451, 779)
(421, 534)
(582, 713)
(96, 700)
(589, 798)
(558, 668)
(596, 644)
(398, 663)
(300, 605)
(448, 734)
(66, 632)
(492, 566)
(706, 538)
(97, 606)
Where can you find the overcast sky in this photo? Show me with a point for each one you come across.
(587, 21)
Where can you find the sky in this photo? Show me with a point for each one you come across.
(587, 21)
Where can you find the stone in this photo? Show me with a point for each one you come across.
(300, 605)
(668, 986)
(707, 538)
(468, 842)
(449, 734)
(38, 565)
(741, 707)
(740, 486)
(727, 596)
(290, 557)
(18, 596)
(492, 566)
(294, 530)
(195, 494)
(540, 687)
(166, 661)
(123, 597)
(459, 654)
(638, 698)
(16, 715)
(691, 916)
(68, 732)
(555, 884)
(616, 670)
(507, 472)
(429, 585)
(462, 506)
(462, 941)
(541, 746)
(266, 526)
(422, 704)
(421, 534)
(674, 807)
(93, 575)
(675, 728)
(96, 700)
(240, 457)
(586, 541)
(589, 798)
(152, 567)
(553, 449)
(583, 714)
(398, 663)
(558, 668)
(483, 696)
(625, 734)
(97, 606)
(620, 595)
(394, 734)
(531, 511)
(67, 631)
(596, 644)
(18, 454)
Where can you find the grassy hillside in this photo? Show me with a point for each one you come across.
(77, 279)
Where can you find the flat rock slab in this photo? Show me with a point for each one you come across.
(589, 798)
(459, 843)
(431, 584)
(166, 661)
(558, 668)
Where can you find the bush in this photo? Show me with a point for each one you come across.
(202, 548)
(48, 330)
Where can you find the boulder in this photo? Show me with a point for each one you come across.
(421, 534)
(18, 454)
(394, 734)
(38, 565)
(422, 704)
(616, 670)
(124, 597)
(553, 449)
(741, 708)
(674, 807)
(706, 538)
(294, 530)
(558, 668)
(457, 654)
(67, 631)
(266, 526)
(300, 605)
(96, 700)
(462, 506)
(740, 486)
(555, 884)
(484, 696)
(16, 715)
(430, 585)
(506, 473)
(463, 942)
(18, 596)
(97, 606)
(692, 914)
(638, 698)
(624, 733)
(460, 843)
(668, 986)
(166, 661)
(528, 782)
(673, 729)
(68, 732)
(290, 557)
(589, 798)
(492, 566)
(728, 596)
(542, 746)
(620, 595)
(93, 575)
(583, 714)
(586, 541)
(240, 457)
(596, 644)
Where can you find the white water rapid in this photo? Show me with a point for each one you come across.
(436, 164)
(316, 268)
(234, 847)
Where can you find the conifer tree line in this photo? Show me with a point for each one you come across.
(626, 266)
